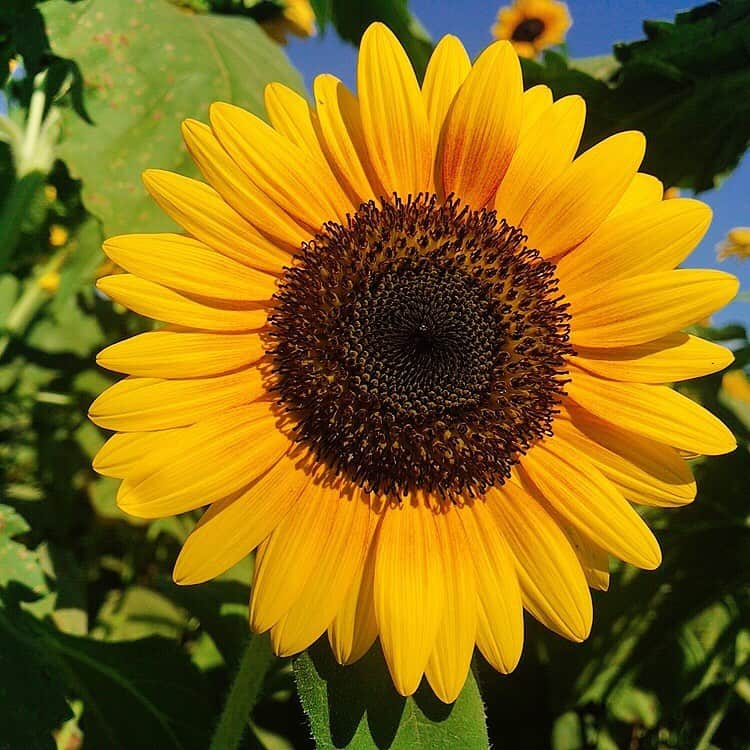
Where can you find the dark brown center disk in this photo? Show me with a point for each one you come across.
(422, 346)
(528, 30)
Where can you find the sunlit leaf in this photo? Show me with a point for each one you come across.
(685, 87)
(358, 707)
(142, 693)
(148, 66)
(17, 563)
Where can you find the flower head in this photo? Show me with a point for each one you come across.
(297, 18)
(736, 244)
(532, 25)
(416, 353)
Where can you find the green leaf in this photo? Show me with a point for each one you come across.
(84, 257)
(148, 66)
(634, 706)
(32, 694)
(322, 10)
(138, 612)
(358, 707)
(68, 329)
(685, 87)
(221, 609)
(567, 732)
(142, 693)
(351, 20)
(9, 285)
(17, 563)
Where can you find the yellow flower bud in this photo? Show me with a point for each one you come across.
(58, 235)
(49, 282)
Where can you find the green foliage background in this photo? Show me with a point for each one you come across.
(96, 643)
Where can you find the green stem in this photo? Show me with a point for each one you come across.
(32, 299)
(244, 693)
(718, 716)
(33, 128)
(13, 211)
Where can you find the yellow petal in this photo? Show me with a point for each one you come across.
(446, 71)
(188, 265)
(132, 454)
(135, 404)
(290, 115)
(202, 212)
(161, 303)
(594, 560)
(654, 411)
(535, 102)
(500, 610)
(481, 130)
(394, 116)
(181, 354)
(239, 191)
(409, 590)
(290, 177)
(654, 238)
(677, 356)
(553, 586)
(643, 190)
(542, 155)
(578, 200)
(238, 445)
(449, 663)
(644, 471)
(343, 138)
(354, 629)
(291, 554)
(642, 308)
(233, 527)
(577, 490)
(341, 560)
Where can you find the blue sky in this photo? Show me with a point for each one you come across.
(597, 25)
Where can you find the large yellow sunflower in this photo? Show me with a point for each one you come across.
(416, 354)
(532, 25)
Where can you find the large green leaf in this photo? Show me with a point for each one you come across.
(148, 66)
(358, 707)
(685, 86)
(352, 18)
(220, 607)
(32, 694)
(17, 563)
(136, 694)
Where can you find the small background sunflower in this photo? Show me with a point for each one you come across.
(532, 25)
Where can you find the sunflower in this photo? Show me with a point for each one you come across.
(736, 245)
(415, 353)
(532, 25)
(297, 17)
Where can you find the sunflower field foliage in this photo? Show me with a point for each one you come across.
(99, 648)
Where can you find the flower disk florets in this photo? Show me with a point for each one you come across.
(420, 347)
